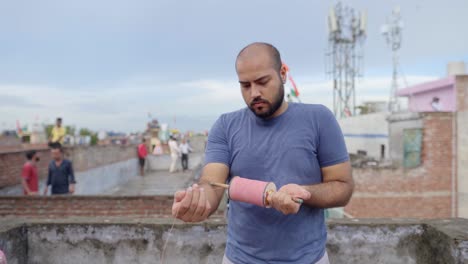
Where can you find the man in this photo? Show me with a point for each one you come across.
(29, 175)
(58, 132)
(174, 149)
(142, 153)
(61, 175)
(184, 150)
(299, 147)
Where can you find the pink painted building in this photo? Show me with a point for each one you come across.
(434, 96)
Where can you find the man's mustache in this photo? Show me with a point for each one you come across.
(259, 100)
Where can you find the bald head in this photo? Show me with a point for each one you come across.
(260, 49)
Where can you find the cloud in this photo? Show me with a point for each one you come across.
(375, 88)
(194, 104)
(17, 101)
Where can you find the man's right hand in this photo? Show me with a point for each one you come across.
(191, 205)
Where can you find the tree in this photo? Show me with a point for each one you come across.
(48, 130)
(70, 130)
(93, 135)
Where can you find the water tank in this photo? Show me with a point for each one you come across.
(456, 68)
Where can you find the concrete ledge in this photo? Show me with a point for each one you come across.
(128, 240)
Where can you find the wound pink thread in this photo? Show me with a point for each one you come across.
(249, 191)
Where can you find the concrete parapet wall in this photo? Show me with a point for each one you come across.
(163, 162)
(123, 241)
(94, 181)
(83, 158)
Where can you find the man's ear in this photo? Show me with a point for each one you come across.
(284, 73)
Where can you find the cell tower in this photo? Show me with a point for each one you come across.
(344, 57)
(392, 31)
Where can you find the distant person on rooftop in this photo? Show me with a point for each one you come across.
(29, 175)
(185, 149)
(142, 153)
(436, 105)
(58, 133)
(157, 147)
(174, 153)
(61, 176)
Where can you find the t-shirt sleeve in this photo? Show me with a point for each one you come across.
(26, 172)
(217, 148)
(331, 146)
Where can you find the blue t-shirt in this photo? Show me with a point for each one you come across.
(291, 148)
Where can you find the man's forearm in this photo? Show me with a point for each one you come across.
(329, 194)
(25, 186)
(212, 194)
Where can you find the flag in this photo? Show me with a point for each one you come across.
(18, 127)
(294, 90)
(347, 112)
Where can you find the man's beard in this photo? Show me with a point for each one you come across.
(272, 107)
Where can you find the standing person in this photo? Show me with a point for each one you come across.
(61, 175)
(174, 153)
(142, 153)
(157, 148)
(58, 133)
(436, 104)
(185, 149)
(299, 147)
(29, 175)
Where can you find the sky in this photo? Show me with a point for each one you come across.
(106, 64)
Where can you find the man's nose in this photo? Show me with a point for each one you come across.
(254, 92)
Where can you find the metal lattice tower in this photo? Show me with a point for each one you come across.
(344, 63)
(392, 31)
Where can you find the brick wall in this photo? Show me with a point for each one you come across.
(400, 207)
(423, 192)
(86, 206)
(83, 158)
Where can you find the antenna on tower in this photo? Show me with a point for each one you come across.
(392, 31)
(346, 37)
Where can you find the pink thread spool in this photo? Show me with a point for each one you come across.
(250, 191)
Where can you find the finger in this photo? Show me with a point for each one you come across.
(179, 195)
(175, 209)
(288, 206)
(185, 203)
(277, 200)
(304, 194)
(207, 210)
(201, 204)
(193, 206)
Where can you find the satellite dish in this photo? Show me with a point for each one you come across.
(332, 23)
(384, 29)
(401, 25)
(363, 24)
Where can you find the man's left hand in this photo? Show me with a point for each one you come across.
(284, 199)
(71, 189)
